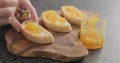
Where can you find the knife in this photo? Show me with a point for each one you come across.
(22, 14)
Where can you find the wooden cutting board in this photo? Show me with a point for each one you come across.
(67, 46)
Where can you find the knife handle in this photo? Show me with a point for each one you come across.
(22, 15)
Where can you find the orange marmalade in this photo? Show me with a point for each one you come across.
(33, 28)
(89, 34)
(54, 18)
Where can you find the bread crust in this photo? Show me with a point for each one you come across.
(56, 28)
(38, 38)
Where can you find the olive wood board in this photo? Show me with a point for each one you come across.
(67, 46)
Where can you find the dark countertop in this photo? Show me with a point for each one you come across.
(107, 9)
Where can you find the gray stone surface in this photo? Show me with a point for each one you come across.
(108, 9)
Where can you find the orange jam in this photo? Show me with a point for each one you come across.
(73, 12)
(53, 17)
(89, 34)
(33, 28)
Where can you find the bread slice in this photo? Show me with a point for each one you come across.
(73, 15)
(55, 22)
(36, 33)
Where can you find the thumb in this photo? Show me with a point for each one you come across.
(15, 23)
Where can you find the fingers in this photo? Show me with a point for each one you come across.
(7, 3)
(33, 14)
(15, 23)
(28, 6)
(13, 3)
(10, 19)
(7, 12)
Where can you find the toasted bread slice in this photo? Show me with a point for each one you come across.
(55, 22)
(72, 14)
(36, 33)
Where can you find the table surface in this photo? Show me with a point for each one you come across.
(107, 9)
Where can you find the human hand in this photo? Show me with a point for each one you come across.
(7, 8)
(8, 15)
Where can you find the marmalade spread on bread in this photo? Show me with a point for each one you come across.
(74, 12)
(33, 28)
(89, 34)
(54, 18)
